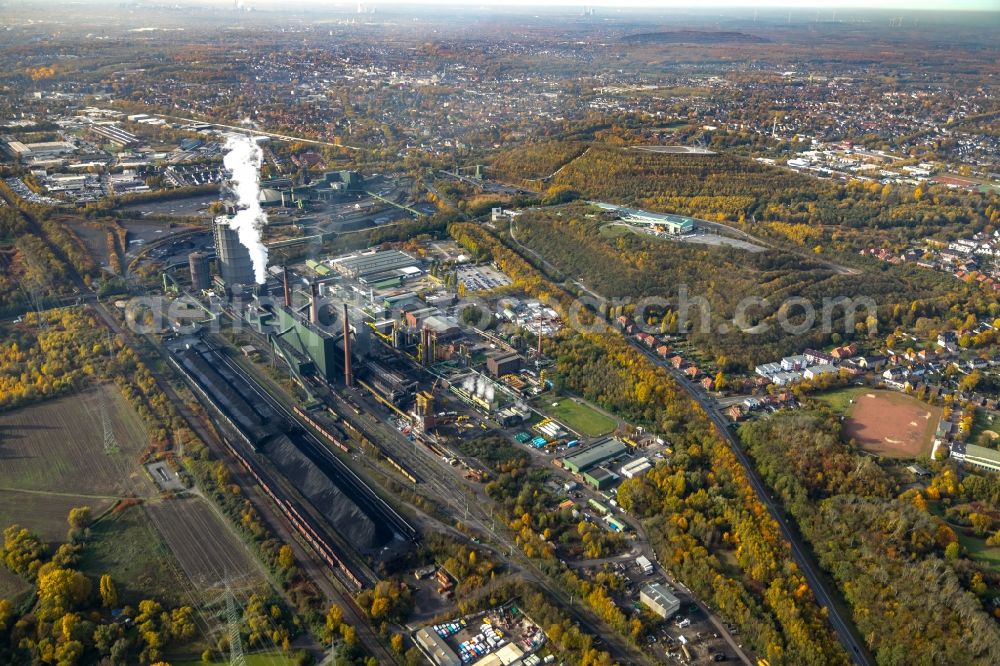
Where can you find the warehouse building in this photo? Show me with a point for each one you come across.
(115, 135)
(635, 468)
(658, 599)
(503, 364)
(594, 455)
(373, 267)
(599, 478)
(42, 149)
(435, 649)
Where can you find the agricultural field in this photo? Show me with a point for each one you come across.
(206, 548)
(127, 545)
(45, 513)
(58, 445)
(891, 424)
(11, 585)
(577, 415)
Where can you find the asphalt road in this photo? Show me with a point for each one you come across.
(844, 629)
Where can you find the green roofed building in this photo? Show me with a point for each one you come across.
(675, 225)
(599, 478)
(594, 455)
(977, 456)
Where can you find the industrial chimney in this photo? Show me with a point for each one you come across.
(348, 376)
(539, 357)
(288, 291)
(314, 304)
(427, 354)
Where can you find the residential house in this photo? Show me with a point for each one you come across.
(895, 376)
(645, 338)
(847, 351)
(818, 370)
(871, 362)
(948, 340)
(814, 357)
(768, 369)
(792, 363)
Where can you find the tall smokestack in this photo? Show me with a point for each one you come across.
(348, 377)
(288, 291)
(539, 339)
(427, 353)
(314, 304)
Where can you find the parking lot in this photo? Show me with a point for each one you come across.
(23, 191)
(481, 278)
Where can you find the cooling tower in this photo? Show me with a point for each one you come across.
(235, 265)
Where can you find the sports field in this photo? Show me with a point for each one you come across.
(840, 400)
(892, 424)
(577, 415)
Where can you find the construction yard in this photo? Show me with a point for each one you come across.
(891, 424)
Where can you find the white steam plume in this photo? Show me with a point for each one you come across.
(243, 159)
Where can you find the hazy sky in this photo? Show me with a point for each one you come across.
(942, 5)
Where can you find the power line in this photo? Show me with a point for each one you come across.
(233, 619)
(110, 440)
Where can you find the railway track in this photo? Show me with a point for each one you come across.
(318, 452)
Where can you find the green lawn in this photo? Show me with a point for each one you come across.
(979, 551)
(128, 546)
(577, 415)
(983, 425)
(840, 399)
(613, 231)
(976, 547)
(257, 659)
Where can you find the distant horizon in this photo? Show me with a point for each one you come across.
(990, 6)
